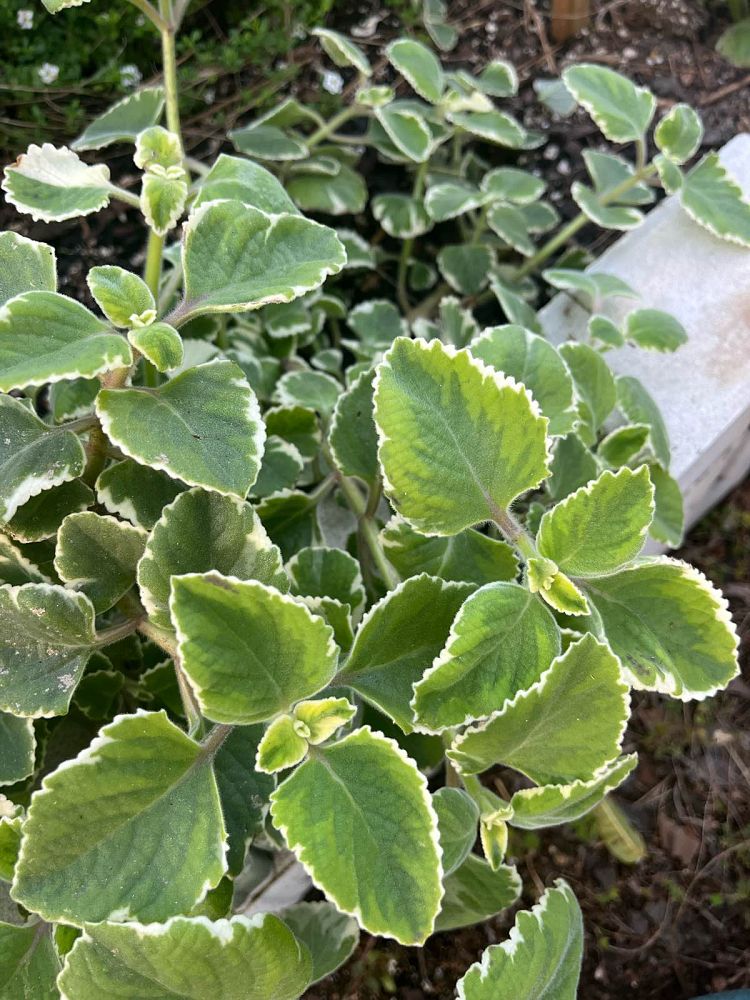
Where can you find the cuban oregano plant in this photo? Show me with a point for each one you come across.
(287, 567)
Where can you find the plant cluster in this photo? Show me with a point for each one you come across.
(275, 554)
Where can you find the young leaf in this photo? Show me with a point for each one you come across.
(122, 296)
(52, 184)
(281, 747)
(33, 457)
(467, 557)
(712, 197)
(555, 588)
(96, 844)
(25, 266)
(163, 197)
(249, 651)
(551, 805)
(601, 526)
(160, 344)
(46, 337)
(621, 110)
(418, 66)
(124, 120)
(458, 818)
(501, 642)
(342, 51)
(353, 437)
(407, 130)
(30, 962)
(637, 606)
(541, 958)
(256, 958)
(391, 651)
(533, 361)
(639, 407)
(678, 135)
(136, 492)
(46, 637)
(17, 748)
(655, 330)
(202, 426)
(474, 893)
(97, 556)
(458, 442)
(238, 179)
(565, 726)
(328, 935)
(391, 884)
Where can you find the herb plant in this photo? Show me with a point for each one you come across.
(275, 554)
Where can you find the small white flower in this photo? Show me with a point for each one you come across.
(333, 82)
(130, 76)
(25, 19)
(48, 72)
(209, 95)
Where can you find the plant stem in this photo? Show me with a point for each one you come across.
(116, 632)
(151, 13)
(408, 244)
(212, 743)
(367, 526)
(514, 532)
(333, 123)
(152, 270)
(165, 640)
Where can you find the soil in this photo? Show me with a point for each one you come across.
(678, 924)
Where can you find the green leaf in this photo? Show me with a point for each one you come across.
(734, 43)
(639, 407)
(124, 120)
(457, 441)
(565, 726)
(492, 126)
(465, 267)
(97, 556)
(555, 96)
(342, 51)
(511, 184)
(322, 572)
(344, 194)
(122, 296)
(468, 557)
(449, 199)
(391, 884)
(541, 958)
(600, 527)
(15, 568)
(11, 820)
(400, 215)
(509, 223)
(243, 791)
(328, 935)
(498, 79)
(515, 307)
(353, 437)
(136, 492)
(655, 330)
(418, 66)
(290, 518)
(668, 525)
(555, 588)
(397, 641)
(25, 266)
(281, 468)
(474, 893)
(594, 382)
(551, 805)
(266, 142)
(573, 465)
(40, 517)
(606, 330)
(237, 258)
(202, 426)
(238, 179)
(160, 344)
(623, 444)
(17, 748)
(313, 390)
(94, 840)
(501, 642)
(670, 175)
(609, 174)
(712, 197)
(377, 322)
(638, 608)
(282, 746)
(70, 400)
(163, 198)
(678, 135)
(458, 818)
(621, 110)
(256, 958)
(248, 650)
(620, 217)
(46, 337)
(33, 457)
(407, 130)
(46, 637)
(29, 962)
(533, 361)
(52, 184)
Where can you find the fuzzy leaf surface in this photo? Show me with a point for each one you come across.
(25, 266)
(52, 184)
(124, 120)
(468, 557)
(621, 110)
(474, 893)
(712, 197)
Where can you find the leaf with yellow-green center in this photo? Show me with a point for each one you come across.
(322, 718)
(283, 745)
(458, 442)
(601, 526)
(160, 344)
(555, 589)
(249, 651)
(501, 642)
(99, 845)
(564, 727)
(164, 192)
(122, 296)
(361, 790)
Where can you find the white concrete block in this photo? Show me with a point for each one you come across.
(703, 389)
